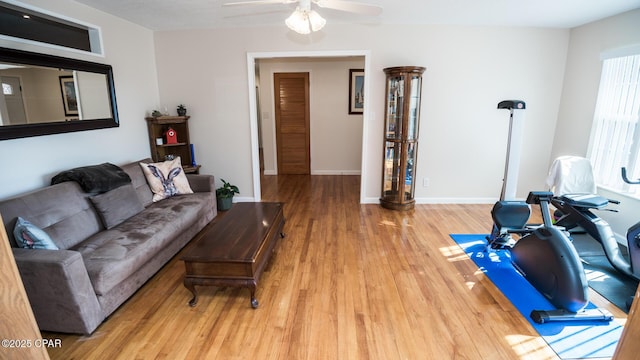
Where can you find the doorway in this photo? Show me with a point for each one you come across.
(253, 58)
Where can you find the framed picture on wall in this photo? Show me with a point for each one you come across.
(69, 98)
(356, 91)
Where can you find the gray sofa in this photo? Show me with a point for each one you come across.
(96, 269)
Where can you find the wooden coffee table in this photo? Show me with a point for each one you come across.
(235, 250)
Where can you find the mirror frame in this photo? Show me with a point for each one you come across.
(38, 129)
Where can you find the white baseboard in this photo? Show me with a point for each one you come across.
(321, 172)
(456, 200)
(335, 172)
(375, 200)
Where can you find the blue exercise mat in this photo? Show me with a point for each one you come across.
(570, 340)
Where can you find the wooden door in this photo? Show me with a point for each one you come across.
(292, 122)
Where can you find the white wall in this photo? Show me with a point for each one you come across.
(581, 82)
(462, 134)
(336, 136)
(30, 163)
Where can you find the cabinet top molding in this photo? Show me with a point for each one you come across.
(405, 69)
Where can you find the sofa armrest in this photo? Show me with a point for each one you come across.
(201, 183)
(59, 290)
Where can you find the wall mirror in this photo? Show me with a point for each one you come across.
(46, 94)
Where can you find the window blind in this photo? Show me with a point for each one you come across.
(615, 139)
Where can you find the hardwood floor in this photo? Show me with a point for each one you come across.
(349, 281)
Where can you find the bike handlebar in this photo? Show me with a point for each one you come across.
(626, 179)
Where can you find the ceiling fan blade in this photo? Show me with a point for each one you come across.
(350, 6)
(257, 13)
(259, 2)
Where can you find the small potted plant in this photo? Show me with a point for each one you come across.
(224, 195)
(182, 110)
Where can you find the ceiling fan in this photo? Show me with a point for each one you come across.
(304, 20)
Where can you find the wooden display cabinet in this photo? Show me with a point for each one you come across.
(402, 117)
(158, 127)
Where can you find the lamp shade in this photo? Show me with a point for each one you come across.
(298, 22)
(305, 21)
(317, 22)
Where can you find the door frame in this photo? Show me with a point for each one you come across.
(253, 114)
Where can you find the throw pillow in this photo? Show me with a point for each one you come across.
(29, 236)
(117, 205)
(166, 179)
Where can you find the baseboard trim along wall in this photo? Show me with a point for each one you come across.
(442, 200)
(322, 172)
(335, 172)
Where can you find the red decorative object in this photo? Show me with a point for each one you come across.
(172, 136)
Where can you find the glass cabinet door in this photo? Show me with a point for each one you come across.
(391, 178)
(409, 183)
(395, 89)
(414, 107)
(402, 118)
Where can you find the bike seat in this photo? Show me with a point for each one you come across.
(590, 201)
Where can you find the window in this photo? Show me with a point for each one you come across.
(7, 89)
(615, 137)
(29, 24)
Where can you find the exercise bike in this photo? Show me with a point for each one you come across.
(544, 255)
(575, 210)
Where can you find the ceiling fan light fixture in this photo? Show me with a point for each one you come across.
(305, 21)
(298, 22)
(316, 21)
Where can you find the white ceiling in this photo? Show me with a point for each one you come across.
(189, 14)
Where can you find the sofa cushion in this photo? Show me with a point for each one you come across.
(139, 181)
(117, 205)
(166, 179)
(29, 236)
(113, 255)
(62, 211)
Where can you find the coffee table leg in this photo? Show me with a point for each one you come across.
(191, 287)
(254, 301)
